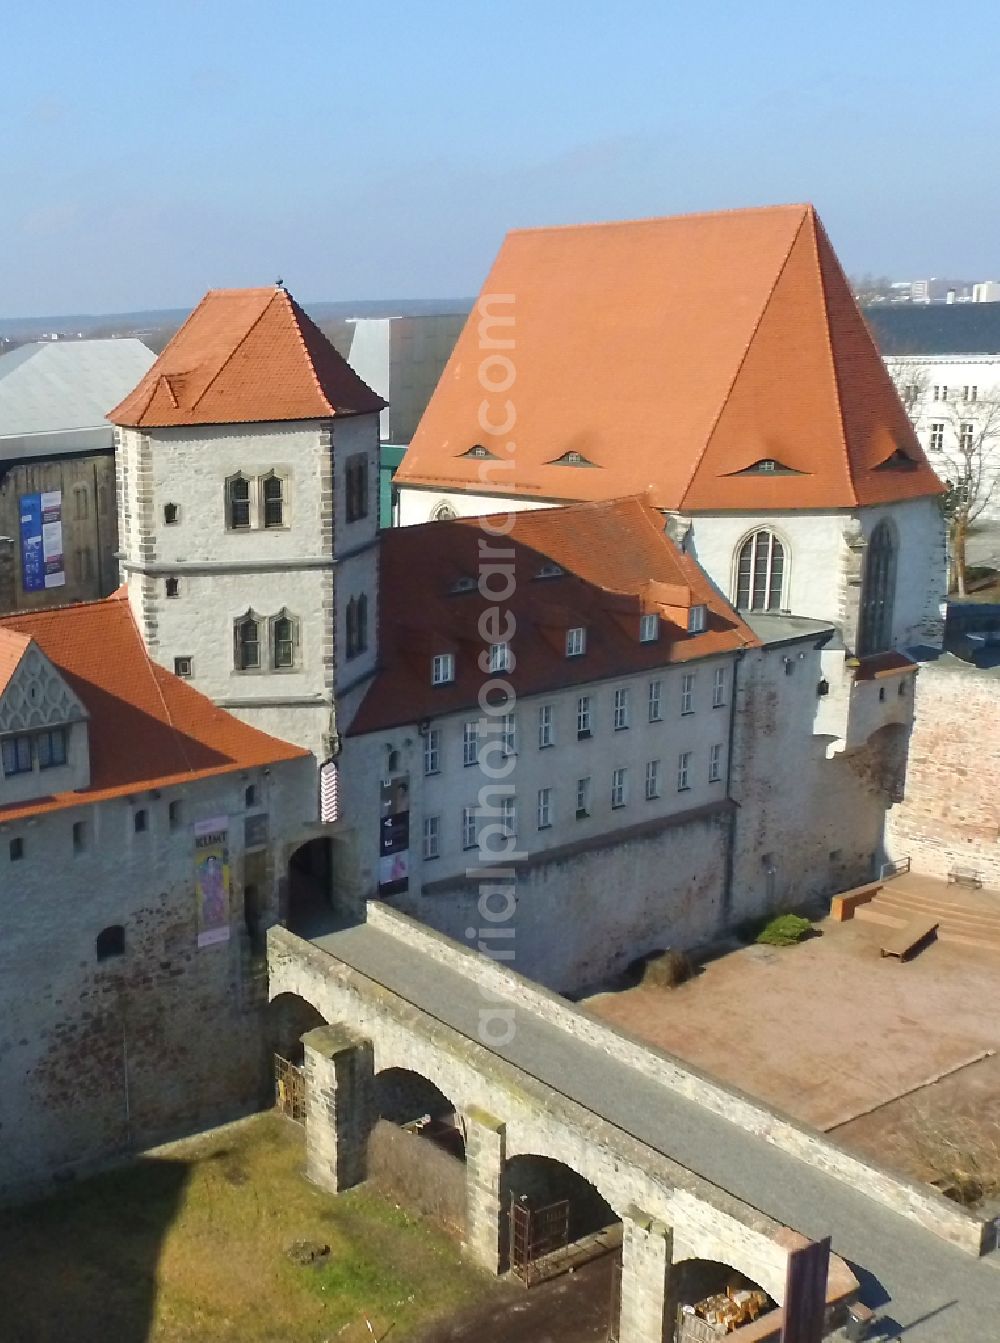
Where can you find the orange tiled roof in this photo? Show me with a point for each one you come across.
(674, 355)
(246, 355)
(12, 649)
(148, 728)
(617, 563)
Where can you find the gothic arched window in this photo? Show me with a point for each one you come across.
(273, 497)
(237, 502)
(246, 642)
(760, 573)
(284, 640)
(357, 625)
(879, 591)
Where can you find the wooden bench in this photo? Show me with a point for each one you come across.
(905, 941)
(965, 876)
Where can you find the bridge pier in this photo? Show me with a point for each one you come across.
(485, 1158)
(647, 1257)
(339, 1069)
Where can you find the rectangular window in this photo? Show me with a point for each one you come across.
(432, 837)
(655, 701)
(16, 850)
(941, 393)
(544, 808)
(508, 815)
(500, 658)
(175, 815)
(696, 619)
(51, 748)
(652, 780)
(683, 771)
(719, 688)
(509, 730)
(649, 628)
(468, 827)
(966, 436)
(140, 820)
(970, 393)
(582, 798)
(687, 692)
(16, 753)
(715, 763)
(546, 730)
(621, 709)
(79, 836)
(470, 743)
(937, 436)
(432, 751)
(617, 788)
(442, 668)
(184, 666)
(357, 487)
(583, 717)
(576, 642)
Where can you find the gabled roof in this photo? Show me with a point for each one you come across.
(599, 565)
(246, 355)
(66, 386)
(148, 728)
(672, 355)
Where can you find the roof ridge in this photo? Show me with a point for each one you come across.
(662, 219)
(297, 313)
(828, 340)
(232, 352)
(808, 212)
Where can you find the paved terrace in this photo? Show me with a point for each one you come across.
(927, 1288)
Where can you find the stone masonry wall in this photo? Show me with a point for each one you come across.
(950, 813)
(99, 1058)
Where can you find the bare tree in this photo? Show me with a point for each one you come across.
(970, 459)
(869, 288)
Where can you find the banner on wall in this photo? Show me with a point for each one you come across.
(42, 563)
(211, 865)
(394, 835)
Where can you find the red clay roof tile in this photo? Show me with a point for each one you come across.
(615, 556)
(673, 354)
(246, 355)
(147, 727)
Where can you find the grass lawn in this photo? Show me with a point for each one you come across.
(190, 1246)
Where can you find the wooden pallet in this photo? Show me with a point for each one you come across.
(909, 938)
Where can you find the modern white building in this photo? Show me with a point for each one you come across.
(247, 481)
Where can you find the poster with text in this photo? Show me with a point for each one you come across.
(211, 860)
(394, 835)
(42, 562)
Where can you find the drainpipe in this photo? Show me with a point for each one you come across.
(727, 888)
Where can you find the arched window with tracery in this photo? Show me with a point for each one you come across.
(246, 642)
(879, 592)
(760, 572)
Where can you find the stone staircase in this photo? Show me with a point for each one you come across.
(967, 917)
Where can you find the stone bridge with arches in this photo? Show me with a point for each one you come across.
(696, 1174)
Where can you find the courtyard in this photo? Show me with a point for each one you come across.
(221, 1238)
(894, 1058)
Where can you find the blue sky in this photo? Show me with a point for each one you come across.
(367, 149)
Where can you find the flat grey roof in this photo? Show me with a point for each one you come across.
(780, 627)
(65, 387)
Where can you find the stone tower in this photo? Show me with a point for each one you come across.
(247, 478)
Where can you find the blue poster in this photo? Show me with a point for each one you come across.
(32, 566)
(42, 564)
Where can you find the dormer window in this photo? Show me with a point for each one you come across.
(442, 668)
(649, 628)
(501, 658)
(576, 641)
(238, 503)
(272, 496)
(571, 458)
(696, 619)
(477, 450)
(51, 747)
